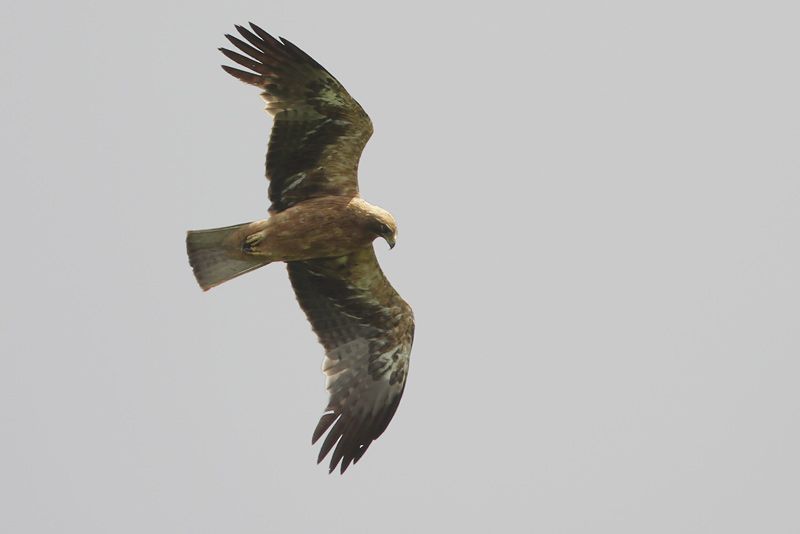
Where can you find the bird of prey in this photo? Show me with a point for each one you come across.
(323, 230)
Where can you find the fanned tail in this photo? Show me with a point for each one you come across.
(216, 255)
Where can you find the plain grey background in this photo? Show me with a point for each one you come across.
(598, 209)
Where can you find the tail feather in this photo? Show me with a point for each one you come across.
(216, 255)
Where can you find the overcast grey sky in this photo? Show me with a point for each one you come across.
(598, 210)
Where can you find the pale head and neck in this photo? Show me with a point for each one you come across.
(376, 219)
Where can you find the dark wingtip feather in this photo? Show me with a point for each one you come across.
(298, 52)
(244, 61)
(253, 39)
(324, 424)
(360, 452)
(264, 35)
(343, 447)
(346, 464)
(330, 440)
(256, 28)
(246, 48)
(246, 77)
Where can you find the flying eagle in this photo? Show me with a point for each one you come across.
(323, 230)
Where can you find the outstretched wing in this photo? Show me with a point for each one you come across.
(319, 130)
(367, 331)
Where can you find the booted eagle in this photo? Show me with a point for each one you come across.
(323, 230)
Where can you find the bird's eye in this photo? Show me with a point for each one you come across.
(384, 229)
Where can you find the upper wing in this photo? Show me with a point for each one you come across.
(367, 331)
(319, 130)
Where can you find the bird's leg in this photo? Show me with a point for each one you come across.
(252, 241)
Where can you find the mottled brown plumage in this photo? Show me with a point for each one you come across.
(330, 226)
(323, 230)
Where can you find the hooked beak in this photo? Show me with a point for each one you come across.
(390, 240)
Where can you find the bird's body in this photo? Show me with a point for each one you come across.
(322, 227)
(323, 230)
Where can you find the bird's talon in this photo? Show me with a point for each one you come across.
(252, 241)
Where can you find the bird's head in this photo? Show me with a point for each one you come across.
(383, 225)
(376, 221)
